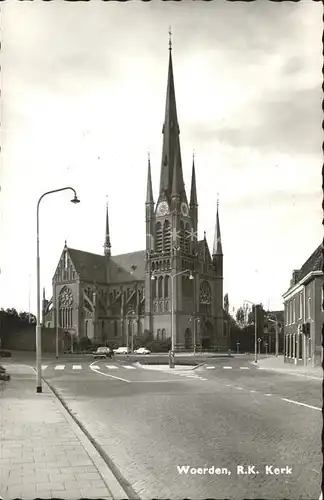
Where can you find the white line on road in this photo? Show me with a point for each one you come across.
(76, 367)
(321, 496)
(268, 394)
(244, 367)
(59, 367)
(227, 367)
(129, 367)
(210, 367)
(252, 390)
(302, 404)
(112, 367)
(44, 367)
(96, 369)
(238, 388)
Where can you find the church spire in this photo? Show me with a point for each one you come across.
(171, 153)
(193, 192)
(149, 190)
(107, 245)
(217, 247)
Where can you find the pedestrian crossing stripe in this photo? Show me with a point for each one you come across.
(112, 367)
(76, 367)
(59, 367)
(244, 367)
(44, 367)
(210, 367)
(227, 367)
(129, 367)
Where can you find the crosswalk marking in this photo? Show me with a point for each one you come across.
(227, 367)
(129, 367)
(210, 367)
(59, 367)
(244, 367)
(112, 367)
(76, 367)
(44, 367)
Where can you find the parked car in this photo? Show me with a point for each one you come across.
(122, 350)
(142, 350)
(5, 354)
(103, 352)
(3, 374)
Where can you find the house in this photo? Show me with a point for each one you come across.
(303, 312)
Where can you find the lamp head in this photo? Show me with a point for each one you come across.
(191, 276)
(153, 277)
(75, 200)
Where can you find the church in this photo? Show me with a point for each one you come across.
(173, 287)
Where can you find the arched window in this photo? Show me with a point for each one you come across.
(160, 287)
(168, 264)
(182, 236)
(167, 236)
(153, 266)
(166, 286)
(65, 304)
(158, 237)
(205, 297)
(154, 285)
(163, 334)
(158, 334)
(187, 238)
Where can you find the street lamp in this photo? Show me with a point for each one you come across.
(38, 325)
(277, 332)
(255, 331)
(127, 331)
(153, 277)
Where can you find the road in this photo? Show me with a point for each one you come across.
(224, 414)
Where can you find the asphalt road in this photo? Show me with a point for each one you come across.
(224, 414)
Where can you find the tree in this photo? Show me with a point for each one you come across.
(240, 317)
(226, 303)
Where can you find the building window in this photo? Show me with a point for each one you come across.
(294, 310)
(301, 305)
(158, 334)
(158, 237)
(160, 287)
(163, 334)
(166, 286)
(167, 236)
(309, 304)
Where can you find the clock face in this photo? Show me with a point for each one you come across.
(184, 209)
(162, 208)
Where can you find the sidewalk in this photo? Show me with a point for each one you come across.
(43, 452)
(274, 363)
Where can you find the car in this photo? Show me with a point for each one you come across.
(4, 353)
(142, 350)
(122, 350)
(102, 352)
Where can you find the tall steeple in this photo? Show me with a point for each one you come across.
(171, 153)
(217, 247)
(193, 191)
(107, 245)
(149, 190)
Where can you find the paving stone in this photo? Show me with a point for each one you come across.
(50, 486)
(68, 495)
(95, 493)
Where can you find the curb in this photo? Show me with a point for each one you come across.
(289, 372)
(147, 367)
(117, 485)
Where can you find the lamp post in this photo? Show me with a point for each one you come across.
(153, 277)
(127, 331)
(255, 331)
(38, 325)
(277, 332)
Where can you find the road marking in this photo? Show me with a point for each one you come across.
(210, 367)
(44, 367)
(96, 370)
(59, 367)
(76, 367)
(321, 496)
(302, 404)
(268, 394)
(238, 388)
(112, 367)
(244, 367)
(129, 367)
(227, 367)
(252, 390)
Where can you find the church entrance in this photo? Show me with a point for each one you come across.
(207, 335)
(188, 339)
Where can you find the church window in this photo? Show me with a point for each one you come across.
(186, 238)
(158, 334)
(153, 266)
(205, 298)
(168, 264)
(160, 287)
(167, 236)
(166, 286)
(65, 303)
(182, 235)
(163, 334)
(158, 237)
(154, 284)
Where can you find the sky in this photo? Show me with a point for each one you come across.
(83, 88)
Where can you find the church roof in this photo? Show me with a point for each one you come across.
(124, 268)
